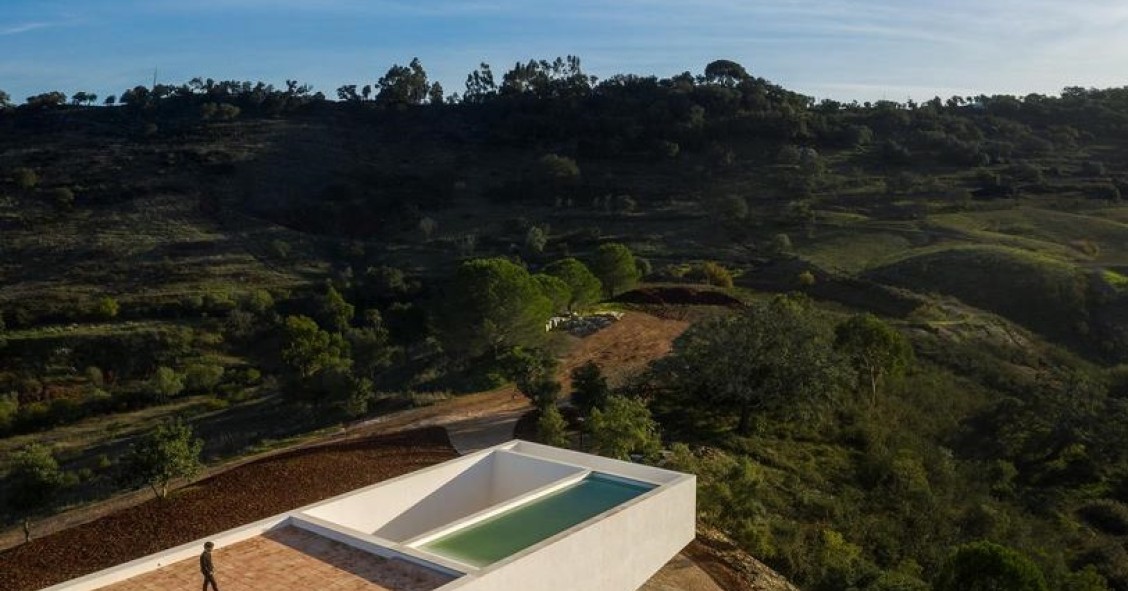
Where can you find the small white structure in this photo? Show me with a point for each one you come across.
(518, 516)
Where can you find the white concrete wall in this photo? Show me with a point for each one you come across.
(515, 475)
(374, 545)
(403, 509)
(370, 509)
(465, 494)
(499, 478)
(596, 463)
(617, 552)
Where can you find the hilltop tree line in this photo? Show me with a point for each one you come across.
(645, 112)
(704, 125)
(707, 125)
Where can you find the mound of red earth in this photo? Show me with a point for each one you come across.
(678, 296)
(236, 497)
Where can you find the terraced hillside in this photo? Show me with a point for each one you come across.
(285, 264)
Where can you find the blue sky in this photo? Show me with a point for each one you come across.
(843, 49)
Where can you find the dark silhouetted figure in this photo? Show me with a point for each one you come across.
(207, 568)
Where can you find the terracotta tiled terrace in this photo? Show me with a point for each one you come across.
(291, 559)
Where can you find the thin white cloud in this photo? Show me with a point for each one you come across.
(864, 49)
(6, 30)
(372, 8)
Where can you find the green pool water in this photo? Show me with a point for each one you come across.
(509, 532)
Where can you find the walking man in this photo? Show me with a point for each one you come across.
(207, 568)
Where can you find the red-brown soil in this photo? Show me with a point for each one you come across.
(248, 493)
(626, 347)
(730, 567)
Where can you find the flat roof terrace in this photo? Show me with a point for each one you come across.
(292, 558)
(517, 516)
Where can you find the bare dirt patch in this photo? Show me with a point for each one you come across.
(626, 347)
(623, 349)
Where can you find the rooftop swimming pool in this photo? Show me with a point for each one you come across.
(493, 520)
(502, 535)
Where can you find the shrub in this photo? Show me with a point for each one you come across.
(25, 178)
(535, 239)
(62, 198)
(589, 388)
(1110, 559)
(1093, 168)
(166, 383)
(623, 204)
(214, 404)
(667, 149)
(731, 208)
(614, 265)
(32, 482)
(984, 565)
(558, 168)
(221, 111)
(386, 283)
(240, 326)
(192, 303)
(715, 274)
(249, 377)
(427, 227)
(1106, 191)
(1087, 247)
(1110, 517)
(280, 249)
(1026, 172)
(584, 287)
(168, 452)
(644, 267)
(788, 155)
(219, 302)
(95, 376)
(9, 407)
(1086, 579)
(624, 427)
(227, 112)
(894, 153)
(555, 290)
(99, 400)
(107, 308)
(551, 428)
(677, 272)
(780, 245)
(202, 377)
(259, 302)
